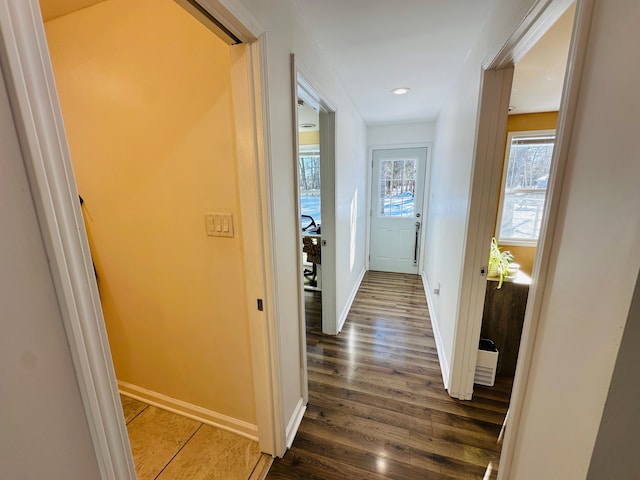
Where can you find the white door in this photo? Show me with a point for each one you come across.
(396, 209)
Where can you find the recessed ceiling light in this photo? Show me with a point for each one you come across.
(400, 91)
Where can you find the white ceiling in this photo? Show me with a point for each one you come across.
(538, 77)
(307, 116)
(378, 45)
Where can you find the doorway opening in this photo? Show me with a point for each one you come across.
(144, 153)
(310, 195)
(527, 152)
(492, 125)
(314, 117)
(314, 158)
(140, 132)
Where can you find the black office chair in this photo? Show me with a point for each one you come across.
(308, 224)
(311, 246)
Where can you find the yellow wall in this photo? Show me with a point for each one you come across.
(146, 98)
(520, 123)
(309, 138)
(532, 121)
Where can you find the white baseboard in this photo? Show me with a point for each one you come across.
(185, 409)
(294, 422)
(352, 296)
(442, 357)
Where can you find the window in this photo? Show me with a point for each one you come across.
(309, 168)
(524, 186)
(397, 186)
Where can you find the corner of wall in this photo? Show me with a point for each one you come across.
(345, 311)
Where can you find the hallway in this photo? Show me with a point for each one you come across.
(377, 405)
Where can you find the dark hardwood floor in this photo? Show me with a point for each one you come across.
(377, 405)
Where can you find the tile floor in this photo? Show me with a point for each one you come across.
(167, 446)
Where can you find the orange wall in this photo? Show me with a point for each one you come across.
(521, 123)
(146, 98)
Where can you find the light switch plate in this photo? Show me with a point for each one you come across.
(219, 224)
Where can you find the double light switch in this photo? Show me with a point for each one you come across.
(219, 224)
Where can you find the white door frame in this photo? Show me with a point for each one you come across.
(251, 122)
(305, 86)
(497, 77)
(26, 64)
(425, 198)
(564, 129)
(487, 167)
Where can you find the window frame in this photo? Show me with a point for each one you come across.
(505, 170)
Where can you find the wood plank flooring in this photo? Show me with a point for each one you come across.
(377, 405)
(167, 446)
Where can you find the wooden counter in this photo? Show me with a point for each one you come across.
(503, 318)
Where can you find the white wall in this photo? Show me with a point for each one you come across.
(616, 452)
(402, 133)
(351, 203)
(447, 211)
(286, 34)
(595, 260)
(44, 430)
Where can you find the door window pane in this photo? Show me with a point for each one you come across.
(397, 187)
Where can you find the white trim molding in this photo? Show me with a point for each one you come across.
(202, 415)
(442, 358)
(265, 187)
(295, 95)
(27, 67)
(249, 95)
(485, 186)
(295, 420)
